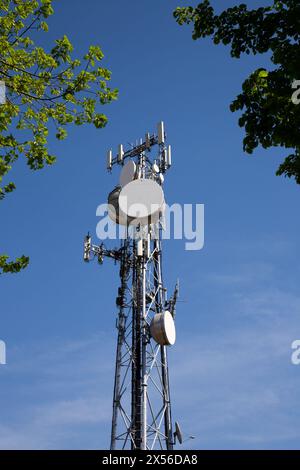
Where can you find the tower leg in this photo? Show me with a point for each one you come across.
(160, 302)
(166, 399)
(121, 325)
(144, 358)
(116, 398)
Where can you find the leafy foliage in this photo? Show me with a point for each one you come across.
(269, 115)
(44, 90)
(13, 266)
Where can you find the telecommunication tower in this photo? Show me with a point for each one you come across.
(141, 417)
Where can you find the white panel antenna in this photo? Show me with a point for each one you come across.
(109, 159)
(140, 248)
(147, 140)
(161, 132)
(169, 156)
(120, 153)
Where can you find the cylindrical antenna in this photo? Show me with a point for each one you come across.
(169, 156)
(87, 247)
(161, 132)
(148, 245)
(140, 247)
(147, 140)
(120, 153)
(109, 160)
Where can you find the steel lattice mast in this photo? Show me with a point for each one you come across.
(141, 399)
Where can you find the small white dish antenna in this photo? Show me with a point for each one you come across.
(127, 173)
(162, 329)
(161, 178)
(155, 168)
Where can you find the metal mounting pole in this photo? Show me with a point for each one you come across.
(164, 363)
(144, 356)
(121, 325)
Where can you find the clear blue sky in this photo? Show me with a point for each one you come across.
(232, 381)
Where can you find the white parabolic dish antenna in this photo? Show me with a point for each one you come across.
(113, 208)
(142, 199)
(127, 173)
(162, 329)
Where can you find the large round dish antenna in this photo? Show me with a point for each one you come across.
(142, 200)
(127, 173)
(113, 208)
(162, 329)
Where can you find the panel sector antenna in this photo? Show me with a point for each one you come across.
(141, 417)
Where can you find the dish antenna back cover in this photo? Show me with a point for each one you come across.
(114, 210)
(162, 329)
(127, 173)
